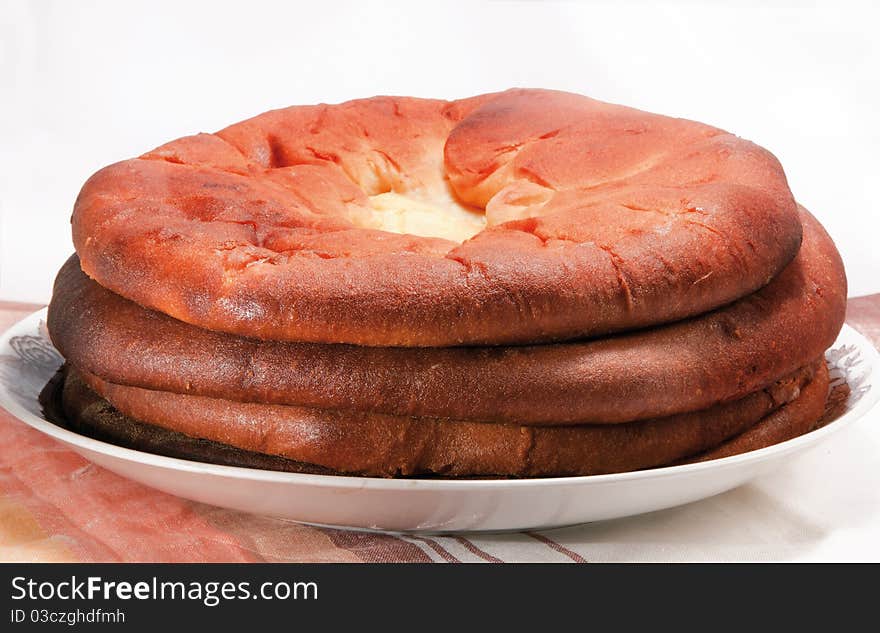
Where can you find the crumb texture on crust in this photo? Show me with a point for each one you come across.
(515, 217)
(684, 366)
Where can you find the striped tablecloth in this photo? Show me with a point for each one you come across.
(56, 506)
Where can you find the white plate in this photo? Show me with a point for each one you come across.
(28, 360)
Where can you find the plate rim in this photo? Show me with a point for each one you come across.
(143, 458)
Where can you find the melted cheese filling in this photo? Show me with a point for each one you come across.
(424, 215)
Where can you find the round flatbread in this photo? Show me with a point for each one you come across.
(520, 217)
(685, 366)
(381, 445)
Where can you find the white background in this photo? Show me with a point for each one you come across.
(83, 84)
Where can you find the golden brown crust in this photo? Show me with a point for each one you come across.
(72, 405)
(799, 416)
(681, 367)
(617, 219)
(375, 444)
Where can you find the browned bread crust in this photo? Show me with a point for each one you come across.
(601, 218)
(799, 416)
(92, 416)
(681, 367)
(381, 445)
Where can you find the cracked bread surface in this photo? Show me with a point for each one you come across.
(680, 367)
(590, 218)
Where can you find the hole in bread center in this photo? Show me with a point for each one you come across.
(428, 213)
